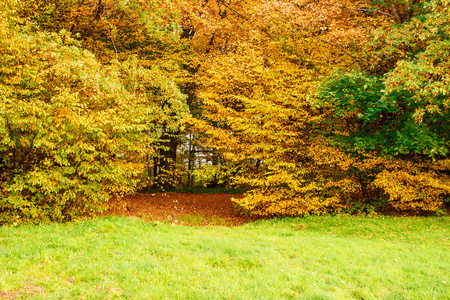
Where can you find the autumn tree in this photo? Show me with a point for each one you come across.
(120, 30)
(315, 106)
(261, 62)
(73, 131)
(394, 116)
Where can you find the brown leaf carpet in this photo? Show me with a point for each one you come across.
(182, 208)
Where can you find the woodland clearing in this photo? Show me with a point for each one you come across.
(182, 208)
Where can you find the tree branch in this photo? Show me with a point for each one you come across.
(367, 10)
(338, 46)
(313, 36)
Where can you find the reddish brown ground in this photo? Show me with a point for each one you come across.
(182, 208)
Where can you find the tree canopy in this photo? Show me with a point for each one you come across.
(311, 106)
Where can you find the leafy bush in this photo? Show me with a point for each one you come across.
(401, 116)
(72, 131)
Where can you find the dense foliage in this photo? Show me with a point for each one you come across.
(73, 131)
(401, 115)
(313, 106)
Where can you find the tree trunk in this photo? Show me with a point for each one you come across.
(167, 159)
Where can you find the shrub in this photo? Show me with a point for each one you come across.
(72, 131)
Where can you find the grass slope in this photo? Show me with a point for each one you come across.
(311, 258)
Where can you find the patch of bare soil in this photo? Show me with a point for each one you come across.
(182, 208)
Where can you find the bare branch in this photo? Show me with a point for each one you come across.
(396, 14)
(367, 10)
(340, 47)
(330, 43)
(233, 10)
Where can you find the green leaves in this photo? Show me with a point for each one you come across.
(399, 114)
(352, 94)
(406, 111)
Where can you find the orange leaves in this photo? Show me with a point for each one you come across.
(261, 62)
(330, 157)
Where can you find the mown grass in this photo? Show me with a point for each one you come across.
(311, 258)
(195, 220)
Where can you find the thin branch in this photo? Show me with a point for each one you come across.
(367, 10)
(338, 46)
(233, 10)
(310, 35)
(111, 4)
(331, 44)
(115, 49)
(242, 16)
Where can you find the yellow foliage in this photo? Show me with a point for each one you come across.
(260, 61)
(414, 189)
(282, 202)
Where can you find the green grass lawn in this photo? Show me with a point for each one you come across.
(310, 258)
